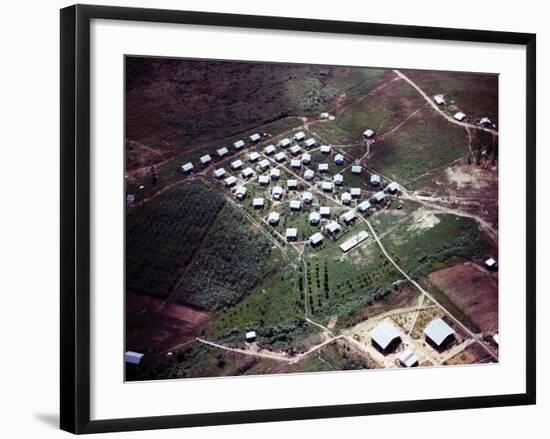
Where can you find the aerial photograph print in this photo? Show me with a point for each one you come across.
(289, 218)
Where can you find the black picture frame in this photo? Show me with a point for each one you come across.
(75, 217)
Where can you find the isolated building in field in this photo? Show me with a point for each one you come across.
(205, 159)
(253, 156)
(299, 136)
(333, 227)
(258, 203)
(408, 358)
(339, 159)
(353, 241)
(273, 218)
(326, 186)
(375, 180)
(314, 217)
(322, 167)
(291, 234)
(269, 149)
(439, 100)
(363, 206)
(379, 196)
(247, 172)
(219, 173)
(309, 174)
(338, 179)
(240, 193)
(239, 144)
(263, 179)
(188, 167)
(222, 151)
(255, 137)
(237, 164)
(460, 116)
(295, 163)
(264, 164)
(310, 143)
(325, 149)
(250, 336)
(277, 192)
(280, 156)
(324, 115)
(356, 169)
(348, 217)
(491, 263)
(307, 197)
(324, 211)
(345, 198)
(306, 158)
(355, 192)
(292, 183)
(439, 333)
(368, 134)
(230, 181)
(275, 174)
(295, 205)
(296, 149)
(285, 143)
(132, 357)
(316, 239)
(485, 121)
(393, 187)
(385, 337)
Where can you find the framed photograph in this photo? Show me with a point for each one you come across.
(268, 218)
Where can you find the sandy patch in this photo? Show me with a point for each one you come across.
(422, 220)
(467, 177)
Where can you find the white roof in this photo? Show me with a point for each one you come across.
(291, 233)
(258, 202)
(241, 191)
(230, 180)
(356, 169)
(219, 172)
(384, 333)
(314, 217)
(338, 158)
(496, 338)
(133, 357)
(408, 358)
(439, 99)
(326, 185)
(263, 179)
(333, 226)
(485, 120)
(275, 172)
(459, 116)
(236, 164)
(264, 163)
(323, 167)
(299, 135)
(325, 149)
(355, 191)
(247, 172)
(306, 157)
(438, 331)
(324, 210)
(363, 206)
(354, 240)
(393, 186)
(239, 144)
(309, 174)
(490, 262)
(368, 133)
(254, 137)
(250, 334)
(187, 167)
(316, 238)
(205, 158)
(253, 156)
(222, 151)
(338, 179)
(295, 149)
(309, 142)
(269, 149)
(324, 115)
(295, 163)
(307, 196)
(292, 182)
(277, 190)
(345, 197)
(273, 217)
(379, 196)
(280, 156)
(375, 178)
(348, 216)
(295, 204)
(284, 142)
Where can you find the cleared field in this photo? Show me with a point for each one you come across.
(473, 290)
